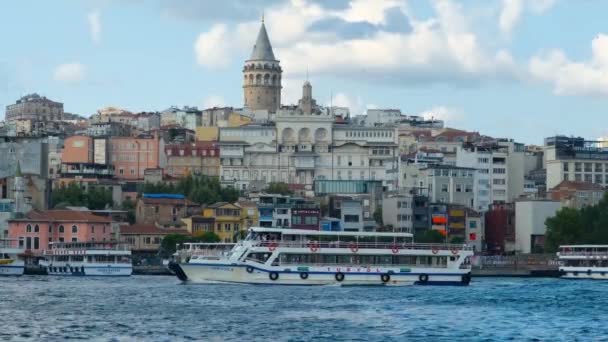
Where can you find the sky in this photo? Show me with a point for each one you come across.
(521, 69)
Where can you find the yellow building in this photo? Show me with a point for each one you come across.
(249, 214)
(237, 120)
(228, 220)
(207, 133)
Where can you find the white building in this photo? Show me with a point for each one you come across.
(500, 168)
(398, 211)
(530, 228)
(575, 159)
(379, 117)
(187, 117)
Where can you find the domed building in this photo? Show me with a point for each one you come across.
(262, 76)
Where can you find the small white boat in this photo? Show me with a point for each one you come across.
(11, 257)
(583, 261)
(88, 259)
(304, 257)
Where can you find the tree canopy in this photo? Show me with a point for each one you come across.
(199, 189)
(429, 236)
(95, 197)
(278, 188)
(588, 225)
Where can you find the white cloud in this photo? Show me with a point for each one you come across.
(212, 48)
(354, 104)
(214, 101)
(512, 10)
(447, 114)
(70, 73)
(574, 77)
(94, 20)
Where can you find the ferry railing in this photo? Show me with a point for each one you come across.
(362, 245)
(93, 247)
(9, 243)
(353, 265)
(583, 253)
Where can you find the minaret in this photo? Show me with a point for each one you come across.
(18, 190)
(262, 76)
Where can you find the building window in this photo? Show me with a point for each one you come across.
(61, 229)
(74, 239)
(36, 243)
(458, 187)
(28, 228)
(227, 227)
(588, 178)
(50, 229)
(578, 177)
(577, 167)
(219, 227)
(599, 179)
(588, 167)
(444, 188)
(566, 176)
(468, 188)
(599, 167)
(74, 229)
(499, 170)
(351, 218)
(36, 229)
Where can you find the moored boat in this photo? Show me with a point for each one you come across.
(304, 257)
(88, 259)
(11, 257)
(583, 261)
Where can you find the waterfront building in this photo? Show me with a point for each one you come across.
(84, 159)
(575, 159)
(145, 238)
(530, 228)
(450, 184)
(132, 156)
(39, 228)
(186, 117)
(305, 215)
(165, 210)
(398, 212)
(262, 76)
(34, 111)
(228, 220)
(200, 158)
(501, 168)
(500, 228)
(577, 194)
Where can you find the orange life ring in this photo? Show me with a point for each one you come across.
(395, 249)
(435, 250)
(314, 246)
(272, 246)
(454, 251)
(353, 247)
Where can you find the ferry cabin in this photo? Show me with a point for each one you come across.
(88, 258)
(584, 261)
(11, 257)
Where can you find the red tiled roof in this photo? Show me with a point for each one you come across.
(168, 201)
(572, 185)
(149, 229)
(65, 215)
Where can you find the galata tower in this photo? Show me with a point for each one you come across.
(262, 76)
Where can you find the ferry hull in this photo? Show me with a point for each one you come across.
(89, 270)
(584, 273)
(13, 269)
(247, 274)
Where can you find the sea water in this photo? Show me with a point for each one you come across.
(157, 308)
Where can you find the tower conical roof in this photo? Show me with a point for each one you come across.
(262, 50)
(18, 170)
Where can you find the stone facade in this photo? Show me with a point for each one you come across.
(35, 108)
(262, 76)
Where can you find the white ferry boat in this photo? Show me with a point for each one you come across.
(11, 257)
(88, 259)
(304, 257)
(583, 261)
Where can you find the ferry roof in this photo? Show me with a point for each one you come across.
(584, 246)
(287, 231)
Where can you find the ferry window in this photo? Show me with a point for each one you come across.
(74, 229)
(384, 259)
(77, 258)
(61, 229)
(28, 228)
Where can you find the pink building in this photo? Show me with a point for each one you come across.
(77, 149)
(38, 228)
(132, 156)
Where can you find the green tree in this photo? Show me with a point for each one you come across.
(278, 188)
(129, 206)
(563, 228)
(429, 236)
(199, 189)
(73, 194)
(457, 240)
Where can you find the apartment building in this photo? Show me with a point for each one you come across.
(575, 159)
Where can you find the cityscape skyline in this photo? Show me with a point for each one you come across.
(495, 68)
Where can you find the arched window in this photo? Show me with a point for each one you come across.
(28, 228)
(74, 229)
(61, 229)
(36, 229)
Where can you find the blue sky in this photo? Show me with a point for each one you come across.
(524, 69)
